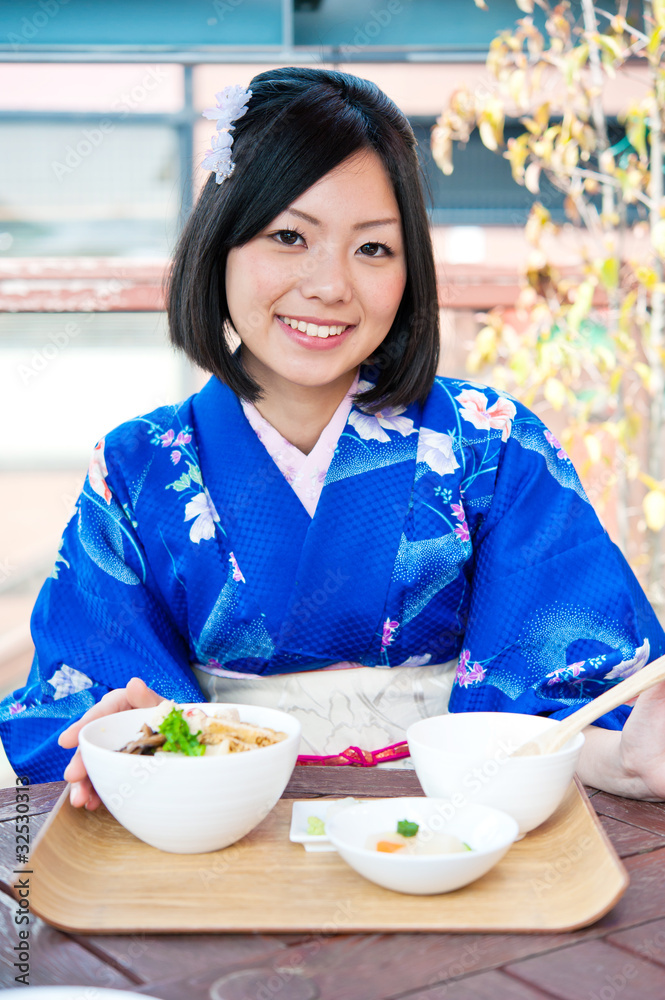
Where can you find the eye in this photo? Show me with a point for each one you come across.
(389, 252)
(288, 233)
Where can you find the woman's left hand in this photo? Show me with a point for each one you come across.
(136, 694)
(642, 745)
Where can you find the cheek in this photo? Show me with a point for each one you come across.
(386, 295)
(261, 281)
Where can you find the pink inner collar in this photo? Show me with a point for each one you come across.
(305, 473)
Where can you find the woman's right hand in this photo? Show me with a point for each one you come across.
(136, 695)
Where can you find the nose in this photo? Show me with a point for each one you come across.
(326, 276)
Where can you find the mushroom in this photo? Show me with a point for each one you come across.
(146, 743)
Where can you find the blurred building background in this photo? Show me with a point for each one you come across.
(101, 138)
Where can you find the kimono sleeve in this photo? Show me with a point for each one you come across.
(556, 615)
(99, 620)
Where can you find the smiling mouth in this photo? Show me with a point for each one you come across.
(312, 330)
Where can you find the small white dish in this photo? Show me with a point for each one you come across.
(489, 832)
(302, 810)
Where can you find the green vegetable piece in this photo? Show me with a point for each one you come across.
(406, 828)
(315, 826)
(178, 737)
(466, 846)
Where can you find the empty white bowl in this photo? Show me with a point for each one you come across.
(188, 805)
(489, 833)
(464, 756)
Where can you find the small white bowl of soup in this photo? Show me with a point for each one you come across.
(465, 756)
(189, 804)
(450, 847)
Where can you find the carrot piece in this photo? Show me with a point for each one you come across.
(389, 846)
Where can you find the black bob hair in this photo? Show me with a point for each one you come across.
(292, 111)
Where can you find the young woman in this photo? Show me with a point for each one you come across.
(326, 526)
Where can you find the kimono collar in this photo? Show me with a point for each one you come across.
(321, 582)
(304, 472)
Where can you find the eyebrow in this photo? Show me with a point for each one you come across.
(358, 225)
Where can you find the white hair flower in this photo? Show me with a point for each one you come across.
(219, 157)
(231, 105)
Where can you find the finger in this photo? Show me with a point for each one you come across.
(107, 705)
(80, 792)
(113, 701)
(93, 802)
(139, 695)
(75, 770)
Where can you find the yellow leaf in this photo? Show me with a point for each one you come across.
(646, 276)
(581, 54)
(593, 447)
(442, 149)
(609, 272)
(490, 124)
(484, 350)
(632, 467)
(516, 82)
(644, 372)
(555, 393)
(516, 154)
(606, 360)
(658, 8)
(488, 135)
(655, 40)
(532, 177)
(581, 305)
(625, 314)
(654, 509)
(608, 64)
(615, 381)
(571, 155)
(611, 46)
(636, 131)
(606, 162)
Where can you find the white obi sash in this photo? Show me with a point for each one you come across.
(368, 707)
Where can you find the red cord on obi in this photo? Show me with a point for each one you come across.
(355, 757)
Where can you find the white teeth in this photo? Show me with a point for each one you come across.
(311, 329)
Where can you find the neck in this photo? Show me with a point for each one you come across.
(301, 413)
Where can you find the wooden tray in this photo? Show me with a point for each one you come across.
(90, 874)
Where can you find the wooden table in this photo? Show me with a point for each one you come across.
(622, 955)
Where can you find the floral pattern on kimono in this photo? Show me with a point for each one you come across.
(453, 528)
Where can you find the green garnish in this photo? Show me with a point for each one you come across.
(466, 846)
(178, 737)
(315, 826)
(406, 828)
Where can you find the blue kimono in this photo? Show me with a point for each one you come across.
(457, 528)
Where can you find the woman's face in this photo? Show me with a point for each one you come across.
(334, 258)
